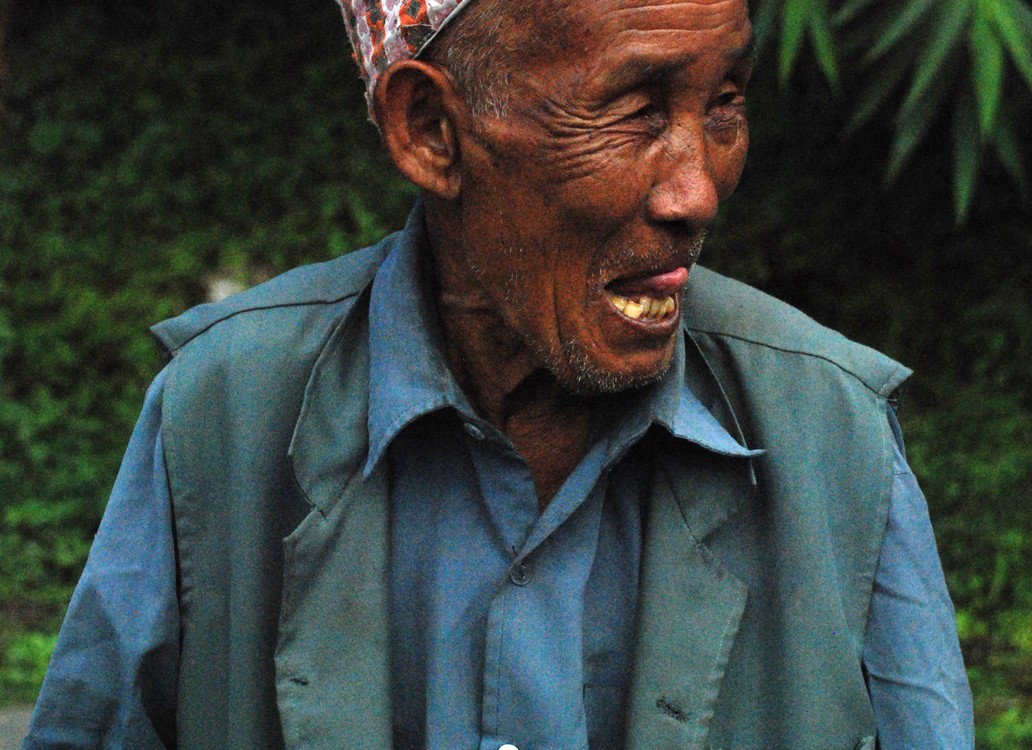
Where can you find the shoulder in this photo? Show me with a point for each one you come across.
(277, 311)
(239, 370)
(738, 317)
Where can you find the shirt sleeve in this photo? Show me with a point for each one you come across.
(915, 671)
(112, 679)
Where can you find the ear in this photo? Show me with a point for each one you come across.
(417, 108)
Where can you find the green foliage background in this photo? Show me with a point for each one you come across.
(145, 149)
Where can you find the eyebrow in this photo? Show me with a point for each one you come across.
(636, 71)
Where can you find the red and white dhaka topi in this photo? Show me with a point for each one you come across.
(390, 30)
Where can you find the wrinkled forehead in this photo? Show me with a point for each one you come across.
(607, 24)
(386, 31)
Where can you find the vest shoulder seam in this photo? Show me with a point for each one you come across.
(895, 370)
(318, 285)
(722, 307)
(261, 308)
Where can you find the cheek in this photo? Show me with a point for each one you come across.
(729, 160)
(596, 206)
(589, 181)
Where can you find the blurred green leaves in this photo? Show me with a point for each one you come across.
(25, 657)
(917, 61)
(806, 19)
(134, 167)
(146, 148)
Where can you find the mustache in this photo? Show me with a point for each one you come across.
(629, 260)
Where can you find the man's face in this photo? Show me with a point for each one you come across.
(584, 207)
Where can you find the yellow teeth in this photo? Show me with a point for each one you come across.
(646, 308)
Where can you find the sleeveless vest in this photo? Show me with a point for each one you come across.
(756, 576)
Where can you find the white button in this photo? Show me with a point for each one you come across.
(477, 434)
(508, 747)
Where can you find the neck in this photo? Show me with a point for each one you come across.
(503, 379)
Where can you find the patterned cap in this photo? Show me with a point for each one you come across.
(385, 31)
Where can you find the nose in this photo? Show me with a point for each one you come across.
(684, 189)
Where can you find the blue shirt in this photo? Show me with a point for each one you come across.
(508, 626)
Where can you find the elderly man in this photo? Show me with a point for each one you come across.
(522, 475)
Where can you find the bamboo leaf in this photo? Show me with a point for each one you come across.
(793, 28)
(1013, 24)
(912, 125)
(986, 71)
(909, 16)
(850, 10)
(1005, 144)
(861, 35)
(966, 151)
(1022, 13)
(824, 47)
(935, 95)
(951, 20)
(878, 90)
(764, 19)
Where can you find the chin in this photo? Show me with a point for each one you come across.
(583, 375)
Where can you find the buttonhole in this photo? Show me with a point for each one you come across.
(671, 710)
(299, 680)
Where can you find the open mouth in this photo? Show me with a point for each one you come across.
(648, 298)
(643, 308)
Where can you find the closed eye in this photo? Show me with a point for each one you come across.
(730, 99)
(652, 116)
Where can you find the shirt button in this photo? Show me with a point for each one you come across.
(473, 431)
(508, 747)
(520, 575)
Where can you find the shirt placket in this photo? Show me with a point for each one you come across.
(531, 686)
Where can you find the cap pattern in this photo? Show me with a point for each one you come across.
(385, 31)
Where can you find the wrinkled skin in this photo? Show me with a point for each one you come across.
(610, 162)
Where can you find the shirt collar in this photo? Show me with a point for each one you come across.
(671, 404)
(410, 377)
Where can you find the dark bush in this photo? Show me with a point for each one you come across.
(145, 150)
